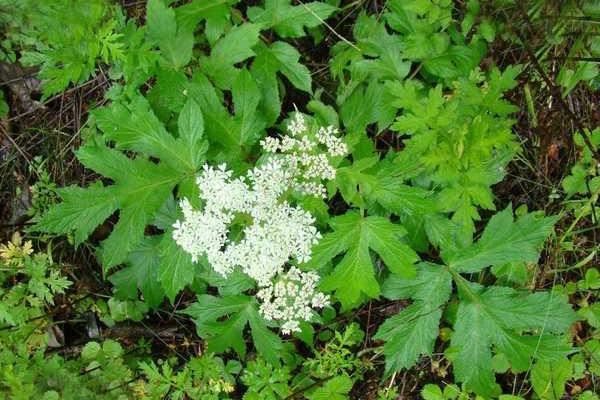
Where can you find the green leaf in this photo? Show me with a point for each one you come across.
(235, 47)
(167, 95)
(81, 211)
(288, 20)
(140, 188)
(336, 388)
(353, 180)
(591, 314)
(246, 97)
(135, 127)
(432, 392)
(549, 378)
(223, 334)
(190, 126)
(495, 316)
(127, 310)
(365, 106)
(175, 269)
(218, 123)
(378, 55)
(214, 12)
(402, 199)
(286, 58)
(142, 273)
(354, 235)
(279, 57)
(175, 42)
(503, 241)
(412, 332)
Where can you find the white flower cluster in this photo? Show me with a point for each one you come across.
(277, 232)
(306, 157)
(292, 299)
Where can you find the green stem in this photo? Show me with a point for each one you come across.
(462, 285)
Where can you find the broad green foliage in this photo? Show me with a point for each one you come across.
(515, 323)
(355, 275)
(429, 132)
(266, 381)
(174, 40)
(207, 313)
(462, 153)
(206, 377)
(175, 125)
(28, 283)
(140, 188)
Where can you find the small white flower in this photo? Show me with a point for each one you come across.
(291, 299)
(297, 125)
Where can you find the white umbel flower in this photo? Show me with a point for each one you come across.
(276, 232)
(297, 125)
(291, 299)
(308, 158)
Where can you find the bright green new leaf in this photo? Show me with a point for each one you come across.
(355, 236)
(549, 378)
(288, 20)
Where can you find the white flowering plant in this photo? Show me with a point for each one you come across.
(277, 233)
(266, 215)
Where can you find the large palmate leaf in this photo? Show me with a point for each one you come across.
(354, 274)
(279, 57)
(520, 325)
(140, 188)
(174, 40)
(412, 332)
(234, 47)
(223, 334)
(497, 316)
(502, 241)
